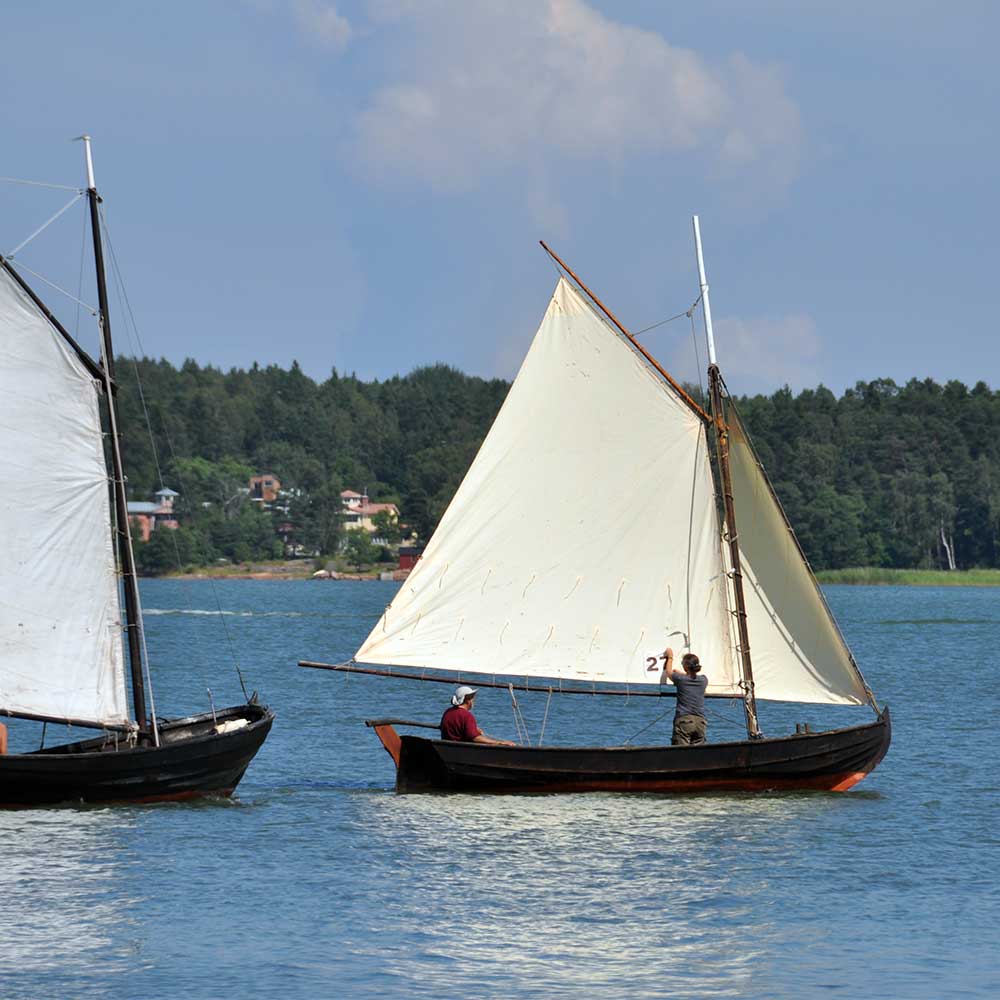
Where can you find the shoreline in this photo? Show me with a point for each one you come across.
(289, 570)
(856, 576)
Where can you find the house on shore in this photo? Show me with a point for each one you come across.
(147, 516)
(264, 488)
(359, 513)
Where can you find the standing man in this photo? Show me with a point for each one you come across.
(689, 719)
(458, 724)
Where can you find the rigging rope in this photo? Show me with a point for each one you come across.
(45, 225)
(132, 329)
(697, 355)
(545, 718)
(79, 280)
(44, 184)
(519, 723)
(708, 712)
(664, 322)
(650, 725)
(62, 291)
(125, 530)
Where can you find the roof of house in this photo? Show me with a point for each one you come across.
(350, 493)
(166, 492)
(374, 508)
(142, 507)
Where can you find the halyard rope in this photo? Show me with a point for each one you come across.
(132, 330)
(519, 723)
(545, 718)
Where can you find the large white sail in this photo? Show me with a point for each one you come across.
(61, 650)
(796, 648)
(584, 535)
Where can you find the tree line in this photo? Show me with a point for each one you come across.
(902, 476)
(405, 440)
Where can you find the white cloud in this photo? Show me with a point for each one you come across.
(323, 23)
(761, 355)
(491, 86)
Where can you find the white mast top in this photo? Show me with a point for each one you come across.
(85, 139)
(704, 291)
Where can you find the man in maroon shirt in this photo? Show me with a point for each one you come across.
(458, 724)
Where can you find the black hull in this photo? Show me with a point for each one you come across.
(193, 760)
(828, 761)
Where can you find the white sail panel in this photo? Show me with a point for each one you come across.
(796, 649)
(61, 652)
(584, 534)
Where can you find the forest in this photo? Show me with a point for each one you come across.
(885, 475)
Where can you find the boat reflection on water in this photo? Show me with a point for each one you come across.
(594, 895)
(70, 912)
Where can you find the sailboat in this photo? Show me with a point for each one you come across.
(540, 576)
(61, 626)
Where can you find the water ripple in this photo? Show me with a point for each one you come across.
(318, 880)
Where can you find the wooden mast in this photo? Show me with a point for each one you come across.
(125, 554)
(722, 454)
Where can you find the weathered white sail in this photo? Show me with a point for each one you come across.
(61, 650)
(796, 649)
(584, 534)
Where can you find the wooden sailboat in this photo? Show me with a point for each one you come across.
(538, 578)
(61, 627)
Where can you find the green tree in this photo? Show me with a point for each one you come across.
(169, 551)
(416, 509)
(387, 527)
(359, 549)
(318, 518)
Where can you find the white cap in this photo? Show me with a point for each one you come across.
(461, 693)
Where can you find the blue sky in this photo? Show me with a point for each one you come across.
(362, 184)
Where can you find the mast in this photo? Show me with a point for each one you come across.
(722, 453)
(126, 557)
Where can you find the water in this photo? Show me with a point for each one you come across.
(318, 881)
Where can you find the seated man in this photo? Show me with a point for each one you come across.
(458, 724)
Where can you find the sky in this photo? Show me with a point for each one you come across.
(362, 185)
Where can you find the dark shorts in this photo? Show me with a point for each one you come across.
(689, 729)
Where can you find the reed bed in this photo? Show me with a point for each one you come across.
(912, 577)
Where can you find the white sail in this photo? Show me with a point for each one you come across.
(796, 649)
(584, 536)
(61, 650)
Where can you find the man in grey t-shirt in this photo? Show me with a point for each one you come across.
(689, 718)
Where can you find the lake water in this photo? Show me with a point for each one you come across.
(317, 880)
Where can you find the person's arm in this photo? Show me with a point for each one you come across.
(474, 734)
(481, 737)
(668, 666)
